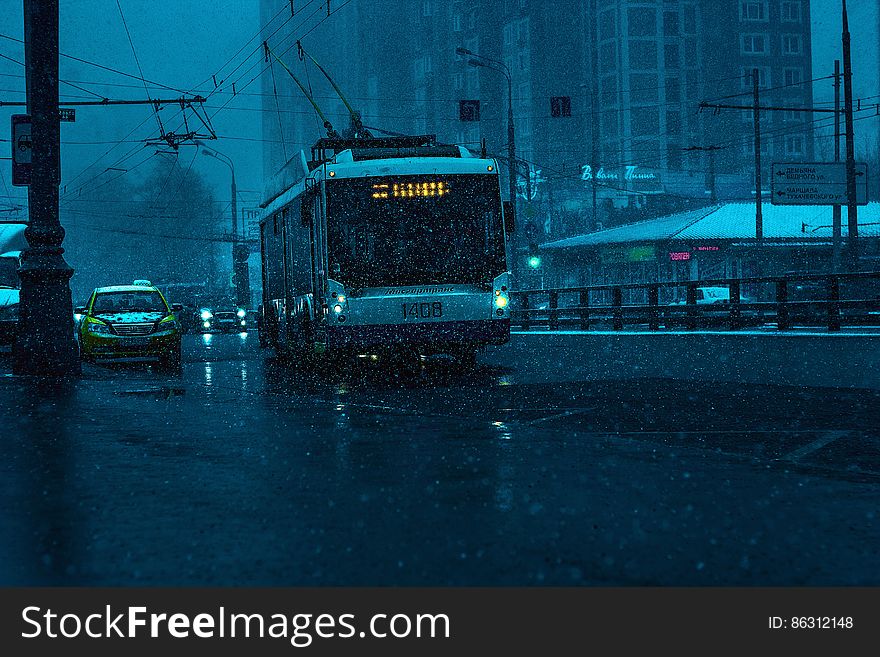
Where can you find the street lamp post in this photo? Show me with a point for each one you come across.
(501, 67)
(239, 248)
(45, 344)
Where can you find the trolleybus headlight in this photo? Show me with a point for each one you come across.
(241, 313)
(206, 315)
(341, 298)
(501, 301)
(337, 308)
(206, 324)
(243, 323)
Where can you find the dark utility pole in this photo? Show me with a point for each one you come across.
(852, 210)
(713, 192)
(240, 253)
(511, 145)
(756, 110)
(45, 344)
(835, 261)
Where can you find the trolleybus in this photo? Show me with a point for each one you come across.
(382, 244)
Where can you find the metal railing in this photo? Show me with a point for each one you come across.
(828, 301)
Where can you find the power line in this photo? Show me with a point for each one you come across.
(138, 62)
(69, 84)
(103, 67)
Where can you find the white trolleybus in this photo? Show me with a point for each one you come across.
(386, 244)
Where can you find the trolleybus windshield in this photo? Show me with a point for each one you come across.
(415, 230)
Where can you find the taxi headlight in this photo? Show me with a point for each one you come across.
(206, 315)
(168, 325)
(206, 324)
(99, 328)
(241, 313)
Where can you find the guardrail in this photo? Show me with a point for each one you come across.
(830, 301)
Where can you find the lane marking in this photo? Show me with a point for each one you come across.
(556, 416)
(815, 446)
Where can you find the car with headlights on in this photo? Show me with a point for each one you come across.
(224, 320)
(131, 323)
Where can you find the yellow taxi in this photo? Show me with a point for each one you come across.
(132, 323)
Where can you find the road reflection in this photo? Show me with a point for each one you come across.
(43, 540)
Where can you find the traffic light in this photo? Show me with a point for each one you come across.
(560, 107)
(534, 258)
(469, 110)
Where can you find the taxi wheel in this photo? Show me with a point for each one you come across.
(171, 361)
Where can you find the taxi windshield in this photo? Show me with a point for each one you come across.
(122, 302)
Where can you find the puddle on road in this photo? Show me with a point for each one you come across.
(163, 392)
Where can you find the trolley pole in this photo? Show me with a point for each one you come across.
(45, 345)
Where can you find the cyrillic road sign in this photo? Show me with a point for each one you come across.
(816, 183)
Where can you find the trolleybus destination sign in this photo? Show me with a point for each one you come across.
(816, 183)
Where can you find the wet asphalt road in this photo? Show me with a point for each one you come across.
(244, 471)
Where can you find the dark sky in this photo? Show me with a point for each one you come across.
(180, 43)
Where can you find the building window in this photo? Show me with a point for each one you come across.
(456, 22)
(792, 76)
(673, 123)
(791, 44)
(642, 55)
(607, 25)
(794, 145)
(791, 11)
(670, 23)
(670, 55)
(427, 8)
(673, 90)
(673, 156)
(524, 95)
(753, 10)
(458, 81)
(524, 31)
(690, 19)
(473, 80)
(508, 34)
(753, 44)
(690, 53)
(791, 117)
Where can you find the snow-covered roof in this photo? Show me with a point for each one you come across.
(126, 288)
(731, 221)
(404, 166)
(12, 237)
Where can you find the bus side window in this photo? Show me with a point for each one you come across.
(305, 209)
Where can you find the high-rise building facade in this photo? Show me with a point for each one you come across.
(605, 93)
